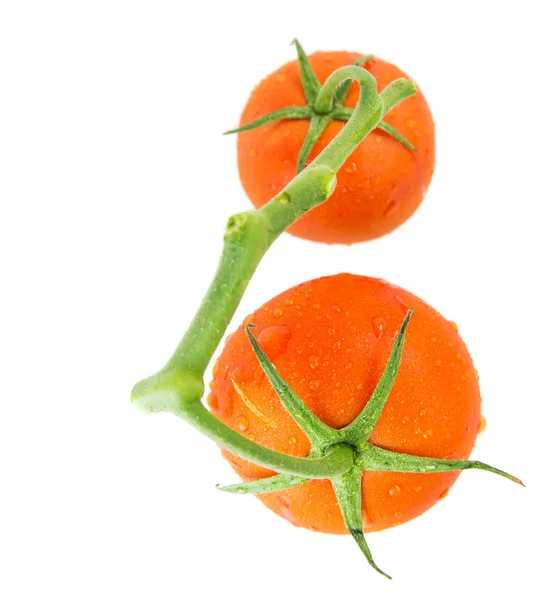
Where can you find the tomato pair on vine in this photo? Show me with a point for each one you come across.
(346, 404)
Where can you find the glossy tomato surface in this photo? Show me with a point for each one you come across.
(381, 184)
(330, 338)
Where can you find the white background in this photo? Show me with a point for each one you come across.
(115, 185)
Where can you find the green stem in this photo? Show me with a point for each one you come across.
(178, 388)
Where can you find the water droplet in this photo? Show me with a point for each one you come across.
(212, 401)
(317, 305)
(428, 433)
(406, 419)
(378, 326)
(313, 385)
(395, 490)
(418, 488)
(289, 302)
(274, 340)
(454, 325)
(251, 437)
(410, 123)
(278, 312)
(281, 77)
(397, 514)
(443, 495)
(391, 208)
(348, 365)
(336, 346)
(379, 139)
(314, 362)
(433, 340)
(292, 440)
(283, 198)
(242, 423)
(331, 331)
(417, 431)
(216, 368)
(482, 424)
(336, 308)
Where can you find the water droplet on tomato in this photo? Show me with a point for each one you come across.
(395, 490)
(391, 208)
(274, 340)
(314, 362)
(336, 308)
(289, 302)
(313, 385)
(482, 424)
(378, 326)
(336, 346)
(331, 331)
(281, 77)
(278, 312)
(454, 325)
(418, 488)
(251, 437)
(242, 423)
(292, 440)
(348, 366)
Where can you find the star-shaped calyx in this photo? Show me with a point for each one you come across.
(356, 436)
(319, 114)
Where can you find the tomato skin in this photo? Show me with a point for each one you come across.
(381, 184)
(330, 338)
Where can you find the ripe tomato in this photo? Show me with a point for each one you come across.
(330, 339)
(381, 184)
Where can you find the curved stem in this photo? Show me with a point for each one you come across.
(366, 115)
(179, 386)
(337, 460)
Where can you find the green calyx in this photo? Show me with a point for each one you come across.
(355, 436)
(320, 109)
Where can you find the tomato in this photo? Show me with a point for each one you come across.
(381, 184)
(330, 339)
